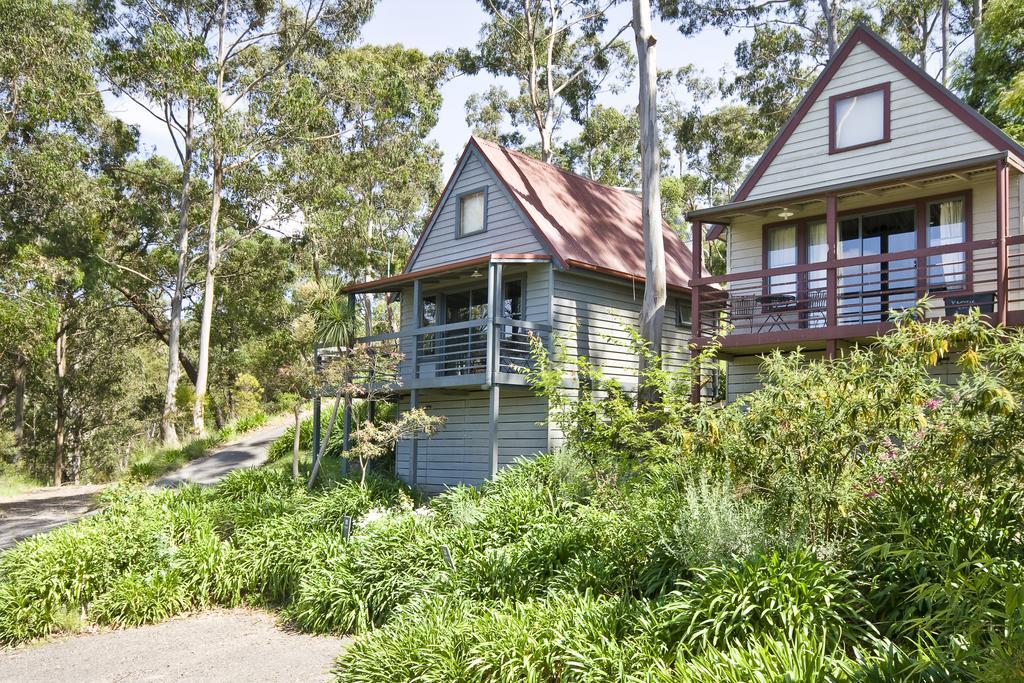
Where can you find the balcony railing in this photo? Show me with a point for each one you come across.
(853, 297)
(477, 351)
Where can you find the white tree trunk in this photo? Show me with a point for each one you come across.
(977, 7)
(828, 14)
(653, 311)
(60, 423)
(168, 433)
(945, 42)
(206, 324)
(203, 371)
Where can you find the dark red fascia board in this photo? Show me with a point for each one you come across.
(632, 277)
(388, 283)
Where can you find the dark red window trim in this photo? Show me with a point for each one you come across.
(835, 99)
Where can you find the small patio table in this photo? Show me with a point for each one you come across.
(775, 305)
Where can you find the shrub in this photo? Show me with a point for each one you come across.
(360, 584)
(72, 566)
(247, 396)
(565, 636)
(694, 523)
(608, 426)
(247, 423)
(428, 640)
(782, 661)
(141, 598)
(150, 555)
(775, 596)
(944, 561)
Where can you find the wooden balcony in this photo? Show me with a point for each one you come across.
(471, 353)
(816, 304)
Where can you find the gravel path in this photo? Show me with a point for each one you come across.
(249, 451)
(38, 511)
(220, 645)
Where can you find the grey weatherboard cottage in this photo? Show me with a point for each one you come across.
(515, 247)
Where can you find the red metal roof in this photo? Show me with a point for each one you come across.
(584, 223)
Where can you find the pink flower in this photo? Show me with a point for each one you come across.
(933, 403)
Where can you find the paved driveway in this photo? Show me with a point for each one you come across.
(248, 451)
(33, 513)
(38, 511)
(219, 645)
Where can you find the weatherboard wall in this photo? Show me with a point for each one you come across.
(460, 452)
(589, 316)
(507, 231)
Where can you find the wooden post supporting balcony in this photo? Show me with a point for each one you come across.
(1002, 254)
(494, 304)
(414, 403)
(832, 241)
(346, 437)
(417, 322)
(696, 271)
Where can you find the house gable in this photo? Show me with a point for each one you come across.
(506, 229)
(927, 126)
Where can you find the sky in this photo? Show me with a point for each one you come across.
(434, 25)
(417, 23)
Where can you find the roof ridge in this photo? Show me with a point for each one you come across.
(555, 167)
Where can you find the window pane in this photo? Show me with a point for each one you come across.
(512, 305)
(472, 213)
(782, 253)
(457, 307)
(478, 311)
(946, 225)
(860, 119)
(428, 316)
(817, 252)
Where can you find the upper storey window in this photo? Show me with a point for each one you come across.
(472, 212)
(859, 118)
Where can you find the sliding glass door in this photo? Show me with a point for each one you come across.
(815, 283)
(868, 292)
(465, 348)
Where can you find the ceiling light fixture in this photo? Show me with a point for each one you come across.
(785, 214)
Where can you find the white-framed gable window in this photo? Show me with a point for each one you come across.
(472, 212)
(858, 118)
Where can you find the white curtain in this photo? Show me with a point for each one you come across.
(946, 226)
(781, 253)
(860, 119)
(817, 252)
